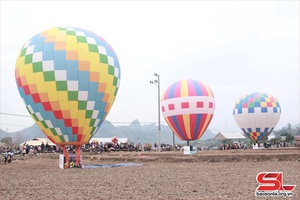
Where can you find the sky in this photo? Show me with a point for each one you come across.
(235, 47)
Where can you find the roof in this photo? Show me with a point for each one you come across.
(229, 135)
(38, 141)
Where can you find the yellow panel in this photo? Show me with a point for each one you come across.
(62, 95)
(60, 36)
(40, 84)
(74, 110)
(184, 89)
(94, 60)
(263, 104)
(51, 90)
(71, 42)
(52, 31)
(83, 52)
(64, 105)
(30, 78)
(187, 127)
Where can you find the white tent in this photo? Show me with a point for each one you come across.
(38, 141)
(229, 135)
(104, 140)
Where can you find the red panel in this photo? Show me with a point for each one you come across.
(193, 122)
(26, 89)
(68, 122)
(171, 106)
(47, 106)
(75, 130)
(163, 109)
(36, 98)
(19, 82)
(58, 114)
(200, 104)
(211, 105)
(185, 105)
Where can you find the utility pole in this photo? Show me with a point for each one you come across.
(158, 84)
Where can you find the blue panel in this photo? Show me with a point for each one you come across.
(100, 96)
(38, 47)
(93, 86)
(72, 70)
(198, 122)
(257, 129)
(48, 53)
(175, 122)
(274, 109)
(249, 129)
(62, 126)
(197, 87)
(264, 109)
(256, 104)
(250, 110)
(84, 80)
(60, 60)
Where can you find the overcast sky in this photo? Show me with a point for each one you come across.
(235, 47)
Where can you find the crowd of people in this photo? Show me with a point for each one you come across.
(99, 147)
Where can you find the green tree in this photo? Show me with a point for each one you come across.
(7, 140)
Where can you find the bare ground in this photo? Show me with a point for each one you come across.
(166, 175)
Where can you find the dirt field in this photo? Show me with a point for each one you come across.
(166, 175)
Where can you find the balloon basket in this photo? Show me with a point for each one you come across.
(72, 162)
(189, 149)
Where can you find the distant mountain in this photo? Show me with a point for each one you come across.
(135, 131)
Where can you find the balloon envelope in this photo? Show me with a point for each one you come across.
(68, 78)
(188, 107)
(257, 114)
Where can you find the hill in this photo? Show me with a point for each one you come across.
(135, 131)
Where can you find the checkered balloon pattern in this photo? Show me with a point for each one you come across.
(188, 107)
(257, 114)
(68, 78)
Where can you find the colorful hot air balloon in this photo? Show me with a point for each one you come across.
(257, 114)
(68, 78)
(188, 107)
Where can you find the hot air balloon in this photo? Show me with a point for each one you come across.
(257, 114)
(68, 78)
(188, 107)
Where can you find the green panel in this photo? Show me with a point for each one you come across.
(23, 52)
(53, 131)
(61, 85)
(88, 114)
(103, 59)
(61, 137)
(81, 39)
(93, 48)
(82, 105)
(111, 70)
(28, 59)
(116, 91)
(251, 105)
(73, 95)
(49, 76)
(35, 117)
(44, 124)
(115, 81)
(37, 67)
(71, 33)
(92, 122)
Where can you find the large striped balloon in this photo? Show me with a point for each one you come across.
(188, 107)
(257, 114)
(68, 78)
